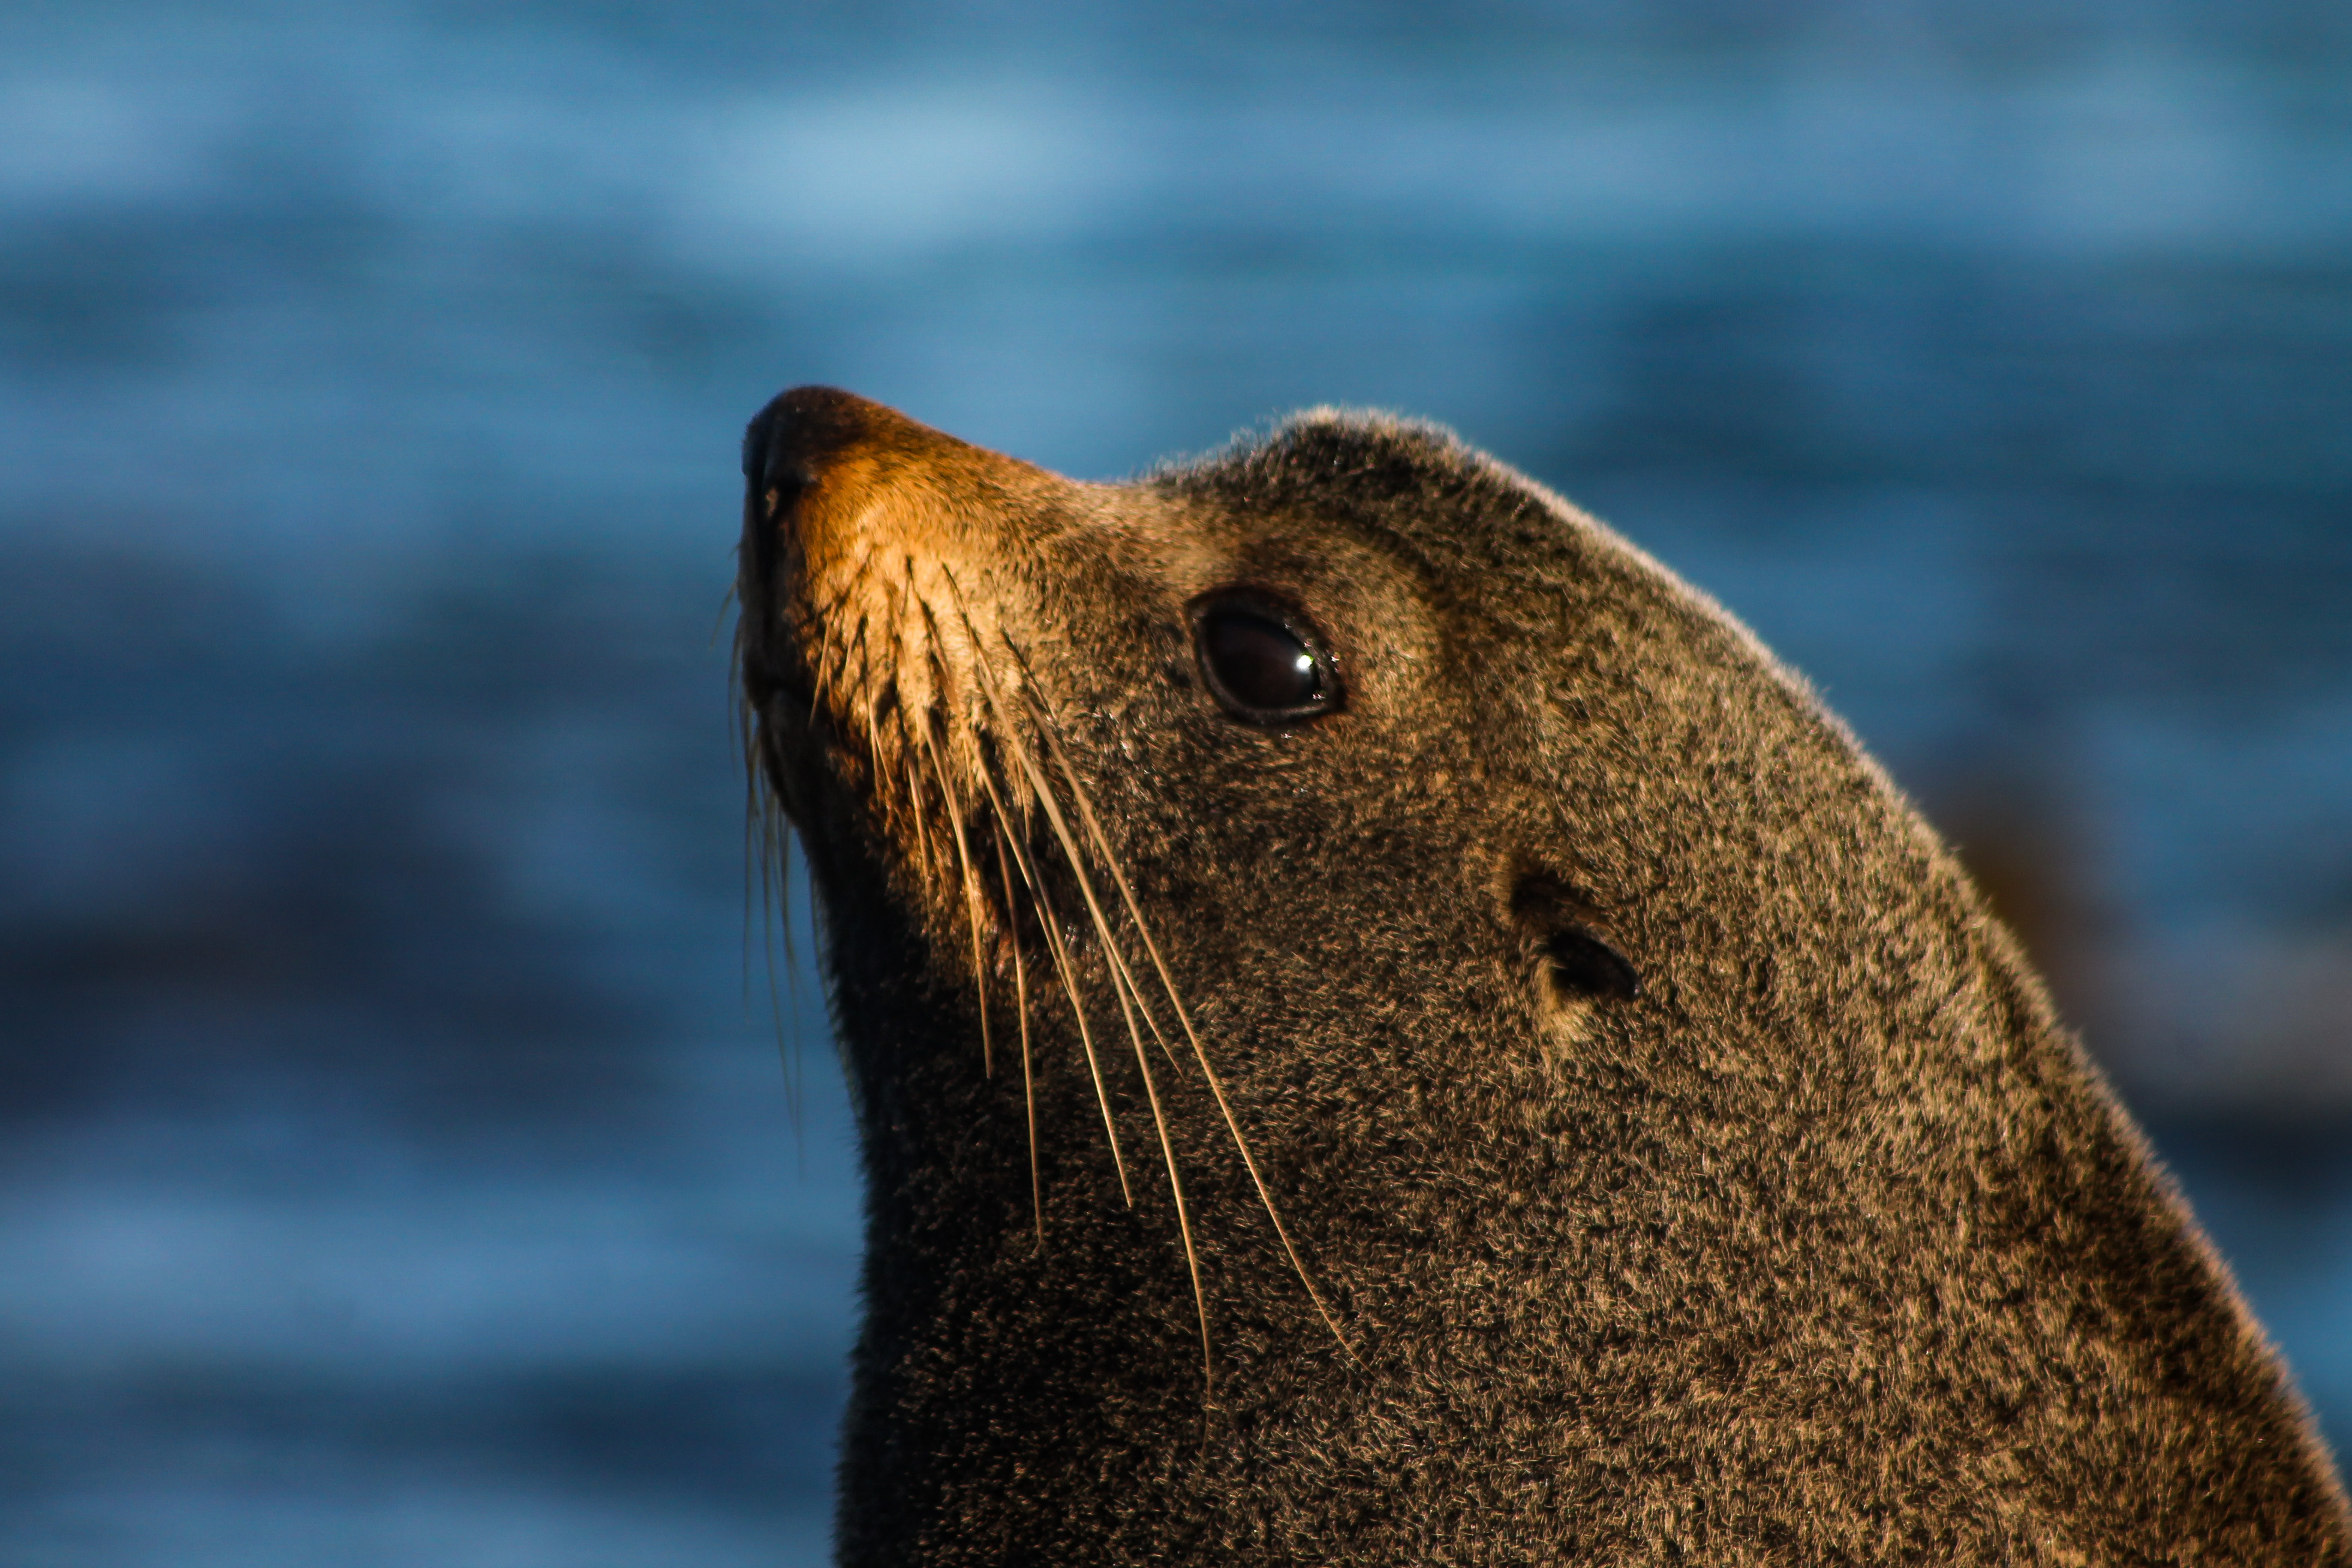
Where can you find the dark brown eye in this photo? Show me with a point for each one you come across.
(1262, 669)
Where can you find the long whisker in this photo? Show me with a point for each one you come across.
(768, 842)
(1068, 973)
(825, 661)
(755, 856)
(789, 1018)
(924, 855)
(767, 862)
(1021, 998)
(1123, 986)
(853, 579)
(903, 716)
(967, 869)
(865, 690)
(1176, 1188)
(1130, 1001)
(1110, 863)
(1008, 724)
(971, 897)
(991, 687)
(829, 644)
(1216, 1087)
(909, 723)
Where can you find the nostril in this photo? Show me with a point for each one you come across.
(787, 446)
(775, 474)
(783, 491)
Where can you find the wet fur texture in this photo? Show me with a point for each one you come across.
(1809, 1237)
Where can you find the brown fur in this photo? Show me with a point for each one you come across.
(1808, 1237)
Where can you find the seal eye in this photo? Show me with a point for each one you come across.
(1262, 669)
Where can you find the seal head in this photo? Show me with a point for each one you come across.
(1385, 1027)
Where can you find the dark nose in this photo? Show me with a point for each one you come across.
(790, 441)
(827, 474)
(788, 445)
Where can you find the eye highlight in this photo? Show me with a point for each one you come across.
(1261, 663)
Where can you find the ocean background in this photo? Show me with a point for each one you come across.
(402, 1159)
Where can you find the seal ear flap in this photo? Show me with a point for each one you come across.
(1575, 967)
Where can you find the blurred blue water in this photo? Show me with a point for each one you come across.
(396, 1169)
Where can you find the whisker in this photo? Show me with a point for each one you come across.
(726, 602)
(1183, 1211)
(755, 858)
(1021, 998)
(1014, 699)
(1068, 973)
(788, 1023)
(851, 581)
(923, 856)
(1043, 789)
(765, 851)
(1124, 987)
(1122, 983)
(1168, 1154)
(1216, 1086)
(971, 896)
(828, 643)
(1110, 863)
(908, 722)
(768, 857)
(825, 660)
(854, 643)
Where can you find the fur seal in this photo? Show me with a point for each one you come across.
(1386, 1028)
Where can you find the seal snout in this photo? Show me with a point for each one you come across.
(887, 618)
(834, 481)
(821, 467)
(790, 446)
(798, 434)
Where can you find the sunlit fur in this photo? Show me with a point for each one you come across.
(1822, 1244)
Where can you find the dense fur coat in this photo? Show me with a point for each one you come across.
(1692, 1171)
